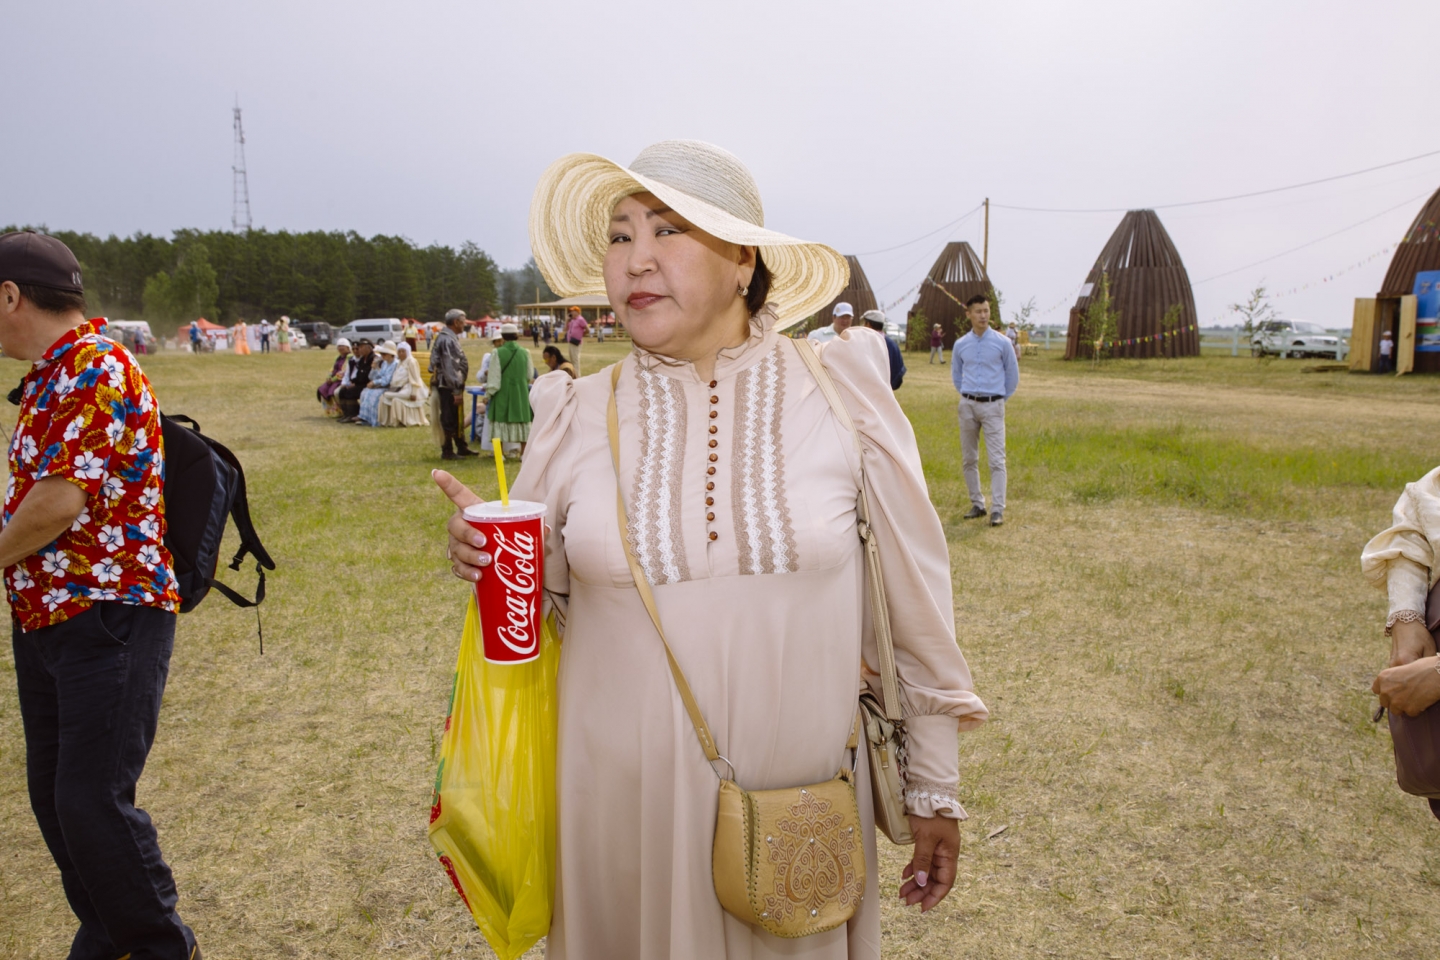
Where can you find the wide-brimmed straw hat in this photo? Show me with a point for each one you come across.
(388, 347)
(710, 187)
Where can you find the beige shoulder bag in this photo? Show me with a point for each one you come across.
(790, 861)
(884, 728)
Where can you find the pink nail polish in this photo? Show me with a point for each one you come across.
(922, 878)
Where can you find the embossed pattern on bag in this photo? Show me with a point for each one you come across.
(814, 858)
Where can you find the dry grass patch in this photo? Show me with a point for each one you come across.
(1170, 629)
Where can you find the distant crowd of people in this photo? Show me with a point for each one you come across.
(381, 386)
(375, 385)
(237, 337)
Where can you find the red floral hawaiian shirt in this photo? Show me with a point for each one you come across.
(88, 415)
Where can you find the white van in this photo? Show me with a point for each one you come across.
(375, 331)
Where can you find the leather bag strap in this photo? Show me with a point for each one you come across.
(875, 578)
(697, 720)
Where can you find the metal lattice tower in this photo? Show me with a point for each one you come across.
(240, 216)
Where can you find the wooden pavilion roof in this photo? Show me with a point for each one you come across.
(958, 272)
(1147, 278)
(1420, 250)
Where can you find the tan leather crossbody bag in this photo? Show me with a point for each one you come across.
(790, 861)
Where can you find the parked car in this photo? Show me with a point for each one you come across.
(1296, 338)
(317, 333)
(374, 330)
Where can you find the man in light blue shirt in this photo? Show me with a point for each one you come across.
(985, 372)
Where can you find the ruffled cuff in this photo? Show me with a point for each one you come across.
(932, 767)
(926, 798)
(1402, 616)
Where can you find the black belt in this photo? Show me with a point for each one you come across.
(979, 399)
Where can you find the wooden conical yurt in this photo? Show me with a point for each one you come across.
(959, 273)
(1419, 251)
(857, 293)
(1394, 308)
(1147, 278)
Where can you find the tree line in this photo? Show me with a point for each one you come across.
(332, 276)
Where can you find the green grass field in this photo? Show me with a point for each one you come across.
(1171, 631)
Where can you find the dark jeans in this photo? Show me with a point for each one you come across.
(450, 421)
(90, 691)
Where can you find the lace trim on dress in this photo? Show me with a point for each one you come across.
(762, 514)
(1403, 616)
(654, 532)
(927, 798)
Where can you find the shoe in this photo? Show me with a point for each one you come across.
(997, 518)
(467, 452)
(447, 455)
(974, 512)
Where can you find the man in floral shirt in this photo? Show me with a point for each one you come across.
(93, 598)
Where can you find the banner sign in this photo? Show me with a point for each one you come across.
(1427, 313)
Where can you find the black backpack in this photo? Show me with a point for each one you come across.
(205, 485)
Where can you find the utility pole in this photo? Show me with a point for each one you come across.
(985, 257)
(240, 212)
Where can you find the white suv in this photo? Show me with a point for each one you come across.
(1296, 338)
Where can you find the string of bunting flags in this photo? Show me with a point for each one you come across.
(1163, 335)
(1341, 272)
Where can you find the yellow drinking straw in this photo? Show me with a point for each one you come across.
(500, 473)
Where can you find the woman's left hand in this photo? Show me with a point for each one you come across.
(1408, 689)
(931, 871)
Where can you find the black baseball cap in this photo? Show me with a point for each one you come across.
(39, 260)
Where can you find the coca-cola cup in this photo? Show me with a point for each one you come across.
(508, 592)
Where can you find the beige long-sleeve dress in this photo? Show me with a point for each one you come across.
(741, 495)
(1401, 559)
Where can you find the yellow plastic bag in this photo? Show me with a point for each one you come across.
(493, 816)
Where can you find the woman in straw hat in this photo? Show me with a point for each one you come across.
(740, 485)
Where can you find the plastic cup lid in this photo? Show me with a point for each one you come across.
(492, 510)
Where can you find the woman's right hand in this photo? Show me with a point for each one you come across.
(1410, 641)
(466, 553)
(1410, 689)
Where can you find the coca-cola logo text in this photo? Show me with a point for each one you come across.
(513, 564)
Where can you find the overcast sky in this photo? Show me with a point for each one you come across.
(867, 125)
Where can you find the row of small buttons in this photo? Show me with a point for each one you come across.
(710, 470)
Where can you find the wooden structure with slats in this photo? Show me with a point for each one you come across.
(1147, 278)
(857, 293)
(1394, 308)
(958, 272)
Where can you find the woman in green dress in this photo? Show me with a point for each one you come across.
(507, 389)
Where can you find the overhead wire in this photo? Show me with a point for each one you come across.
(1236, 196)
(900, 246)
(1311, 243)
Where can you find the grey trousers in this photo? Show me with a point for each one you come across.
(990, 418)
